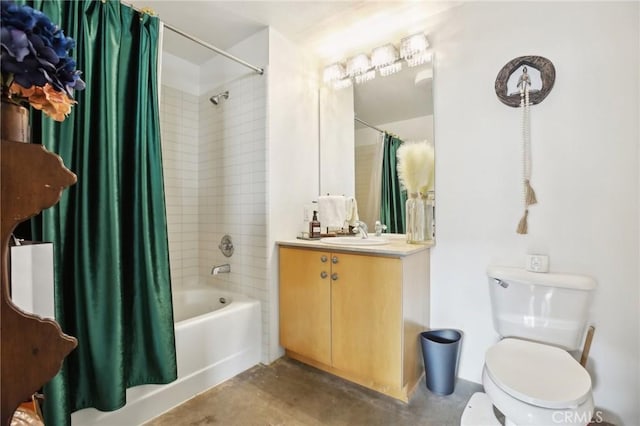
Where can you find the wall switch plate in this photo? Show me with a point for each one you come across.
(537, 263)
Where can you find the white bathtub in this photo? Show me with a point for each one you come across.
(211, 347)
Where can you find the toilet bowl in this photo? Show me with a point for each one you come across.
(529, 375)
(537, 384)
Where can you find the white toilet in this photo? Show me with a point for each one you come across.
(529, 375)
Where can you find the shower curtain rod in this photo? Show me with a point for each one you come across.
(204, 43)
(212, 47)
(368, 125)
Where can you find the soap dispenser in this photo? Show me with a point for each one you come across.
(314, 226)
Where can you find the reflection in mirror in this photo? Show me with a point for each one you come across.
(400, 104)
(336, 142)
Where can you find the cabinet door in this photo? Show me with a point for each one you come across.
(366, 318)
(305, 303)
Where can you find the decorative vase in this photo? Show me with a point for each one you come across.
(430, 215)
(414, 210)
(14, 124)
(419, 218)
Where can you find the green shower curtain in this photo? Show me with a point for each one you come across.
(393, 197)
(113, 290)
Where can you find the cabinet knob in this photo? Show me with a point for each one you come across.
(334, 259)
(323, 259)
(323, 274)
(334, 276)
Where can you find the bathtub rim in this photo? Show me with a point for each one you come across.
(237, 299)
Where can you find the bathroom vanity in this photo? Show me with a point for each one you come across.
(356, 311)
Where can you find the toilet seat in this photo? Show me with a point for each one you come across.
(538, 374)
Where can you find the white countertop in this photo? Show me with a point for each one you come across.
(397, 246)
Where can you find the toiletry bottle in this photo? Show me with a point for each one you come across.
(314, 226)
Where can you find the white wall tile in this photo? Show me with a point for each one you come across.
(230, 192)
(178, 123)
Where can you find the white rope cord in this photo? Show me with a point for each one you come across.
(526, 140)
(528, 195)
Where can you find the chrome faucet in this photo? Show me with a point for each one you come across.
(221, 269)
(379, 228)
(362, 227)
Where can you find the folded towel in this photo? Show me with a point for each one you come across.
(332, 211)
(352, 211)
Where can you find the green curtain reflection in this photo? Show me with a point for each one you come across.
(393, 197)
(113, 290)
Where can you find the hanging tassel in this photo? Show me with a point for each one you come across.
(530, 194)
(522, 225)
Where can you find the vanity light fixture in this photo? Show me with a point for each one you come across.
(386, 59)
(369, 75)
(359, 68)
(413, 49)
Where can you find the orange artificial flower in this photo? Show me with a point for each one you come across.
(55, 104)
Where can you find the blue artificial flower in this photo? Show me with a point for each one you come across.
(21, 17)
(34, 51)
(61, 45)
(43, 53)
(14, 42)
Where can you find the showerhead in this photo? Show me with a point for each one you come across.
(215, 99)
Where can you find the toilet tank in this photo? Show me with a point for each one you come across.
(544, 307)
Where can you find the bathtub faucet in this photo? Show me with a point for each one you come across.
(221, 269)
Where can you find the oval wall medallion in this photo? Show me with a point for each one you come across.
(547, 75)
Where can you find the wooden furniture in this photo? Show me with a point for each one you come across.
(33, 349)
(356, 315)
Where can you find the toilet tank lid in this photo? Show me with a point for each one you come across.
(572, 281)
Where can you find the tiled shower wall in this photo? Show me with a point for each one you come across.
(232, 189)
(215, 184)
(179, 127)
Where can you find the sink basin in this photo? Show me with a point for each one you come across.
(355, 241)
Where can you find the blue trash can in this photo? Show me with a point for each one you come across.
(441, 351)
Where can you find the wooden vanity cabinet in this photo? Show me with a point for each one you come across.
(305, 303)
(356, 315)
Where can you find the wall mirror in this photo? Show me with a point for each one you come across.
(351, 124)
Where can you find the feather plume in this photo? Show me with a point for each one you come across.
(427, 181)
(408, 167)
(415, 166)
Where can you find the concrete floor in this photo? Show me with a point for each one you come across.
(290, 393)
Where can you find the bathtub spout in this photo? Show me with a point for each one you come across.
(221, 269)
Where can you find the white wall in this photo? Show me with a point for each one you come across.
(219, 70)
(179, 74)
(292, 154)
(585, 142)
